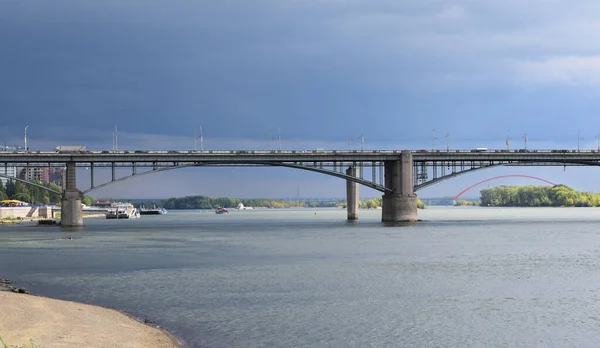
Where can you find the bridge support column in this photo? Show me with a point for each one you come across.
(70, 209)
(352, 195)
(401, 204)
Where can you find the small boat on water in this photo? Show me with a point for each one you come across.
(241, 206)
(222, 211)
(152, 211)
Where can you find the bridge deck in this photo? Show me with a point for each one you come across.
(224, 157)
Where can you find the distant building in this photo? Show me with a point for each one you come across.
(102, 203)
(55, 175)
(8, 171)
(41, 174)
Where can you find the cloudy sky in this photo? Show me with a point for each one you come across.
(317, 72)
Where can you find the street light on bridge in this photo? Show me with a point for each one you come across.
(447, 142)
(526, 140)
(115, 140)
(201, 140)
(279, 137)
(578, 140)
(270, 140)
(26, 138)
(433, 140)
(362, 140)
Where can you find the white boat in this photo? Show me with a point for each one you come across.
(123, 211)
(242, 207)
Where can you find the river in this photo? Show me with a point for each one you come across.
(463, 277)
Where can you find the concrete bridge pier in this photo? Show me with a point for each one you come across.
(70, 209)
(352, 195)
(401, 204)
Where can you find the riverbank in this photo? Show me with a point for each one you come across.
(12, 221)
(27, 320)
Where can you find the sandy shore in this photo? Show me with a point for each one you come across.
(57, 323)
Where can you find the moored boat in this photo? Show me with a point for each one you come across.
(152, 211)
(122, 211)
(112, 214)
(222, 211)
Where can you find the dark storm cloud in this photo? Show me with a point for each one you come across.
(320, 69)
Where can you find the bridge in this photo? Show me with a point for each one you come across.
(398, 174)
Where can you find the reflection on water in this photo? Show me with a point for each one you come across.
(463, 277)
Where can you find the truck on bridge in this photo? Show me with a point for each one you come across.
(70, 149)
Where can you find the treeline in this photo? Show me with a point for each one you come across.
(462, 202)
(204, 202)
(538, 196)
(28, 193)
(377, 201)
(32, 194)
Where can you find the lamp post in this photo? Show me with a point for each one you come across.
(279, 137)
(447, 142)
(201, 140)
(578, 141)
(526, 140)
(362, 140)
(26, 138)
(507, 139)
(597, 137)
(433, 140)
(270, 140)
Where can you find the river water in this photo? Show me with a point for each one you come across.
(464, 277)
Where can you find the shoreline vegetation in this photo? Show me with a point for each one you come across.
(204, 202)
(29, 321)
(533, 196)
(538, 196)
(34, 195)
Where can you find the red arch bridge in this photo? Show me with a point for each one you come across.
(501, 177)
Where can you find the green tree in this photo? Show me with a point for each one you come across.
(10, 189)
(54, 198)
(87, 200)
(21, 192)
(3, 195)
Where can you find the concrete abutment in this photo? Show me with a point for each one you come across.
(70, 208)
(400, 205)
(352, 195)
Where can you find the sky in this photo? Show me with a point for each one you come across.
(405, 74)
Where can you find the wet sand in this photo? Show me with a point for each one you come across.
(55, 323)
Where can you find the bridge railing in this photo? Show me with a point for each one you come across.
(304, 151)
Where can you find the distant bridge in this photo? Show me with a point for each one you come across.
(501, 177)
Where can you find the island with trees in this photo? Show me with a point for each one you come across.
(538, 196)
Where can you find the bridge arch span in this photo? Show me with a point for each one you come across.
(502, 177)
(357, 180)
